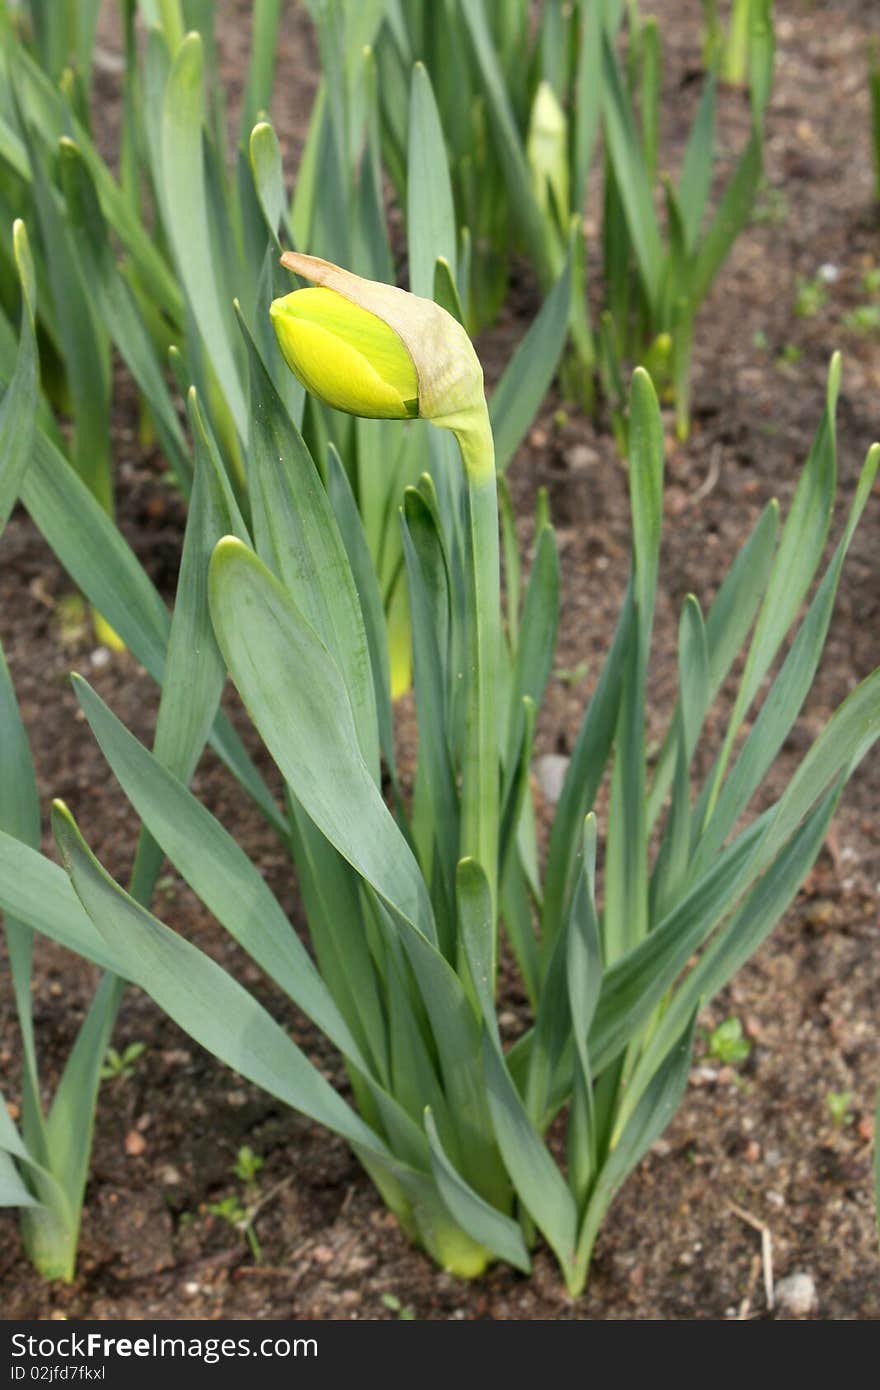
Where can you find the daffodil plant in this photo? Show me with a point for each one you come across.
(481, 1140)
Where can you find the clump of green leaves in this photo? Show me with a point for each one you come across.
(840, 1107)
(728, 1043)
(403, 1311)
(239, 1210)
(811, 296)
(121, 1066)
(450, 1122)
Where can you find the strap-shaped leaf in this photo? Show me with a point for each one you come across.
(430, 218)
(586, 770)
(100, 562)
(116, 303)
(693, 700)
(188, 227)
(297, 537)
(796, 561)
(201, 997)
(730, 217)
(491, 1227)
(36, 892)
(268, 174)
(71, 1119)
(737, 940)
(630, 173)
(696, 171)
(363, 572)
(729, 619)
(633, 986)
(539, 1184)
(299, 703)
(18, 408)
(789, 690)
(650, 1118)
(20, 817)
(215, 867)
(13, 1192)
(477, 934)
(537, 230)
(525, 380)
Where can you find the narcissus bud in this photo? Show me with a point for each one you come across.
(346, 355)
(376, 350)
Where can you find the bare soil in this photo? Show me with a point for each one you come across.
(753, 1145)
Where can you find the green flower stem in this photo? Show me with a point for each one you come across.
(479, 823)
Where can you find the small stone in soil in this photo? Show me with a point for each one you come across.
(135, 1144)
(796, 1293)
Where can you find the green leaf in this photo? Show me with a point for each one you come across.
(199, 996)
(735, 943)
(37, 893)
(631, 174)
(537, 230)
(499, 1233)
(648, 1122)
(298, 538)
(13, 1192)
(696, 173)
(299, 703)
(731, 216)
(82, 342)
(476, 928)
(18, 409)
(533, 661)
(265, 21)
(430, 217)
(188, 228)
(116, 303)
(526, 378)
(71, 1121)
(788, 692)
(363, 572)
(586, 771)
(730, 617)
(215, 867)
(796, 561)
(268, 174)
(536, 1178)
(94, 553)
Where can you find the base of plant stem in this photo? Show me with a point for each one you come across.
(51, 1251)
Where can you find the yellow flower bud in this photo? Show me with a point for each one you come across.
(346, 355)
(376, 350)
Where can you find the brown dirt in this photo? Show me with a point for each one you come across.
(761, 1138)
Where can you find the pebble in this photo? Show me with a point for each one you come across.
(796, 1293)
(322, 1255)
(581, 457)
(135, 1143)
(550, 770)
(703, 1076)
(100, 657)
